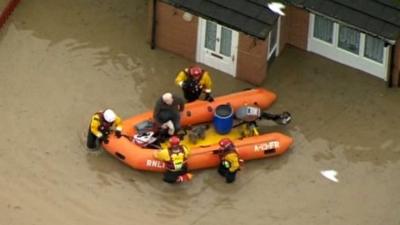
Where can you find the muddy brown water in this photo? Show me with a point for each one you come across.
(3, 4)
(62, 60)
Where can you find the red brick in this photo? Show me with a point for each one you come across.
(298, 23)
(173, 33)
(396, 65)
(284, 33)
(252, 59)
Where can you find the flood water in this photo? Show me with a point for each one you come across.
(62, 60)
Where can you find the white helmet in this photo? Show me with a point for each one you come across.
(109, 115)
(167, 98)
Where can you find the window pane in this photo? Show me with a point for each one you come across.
(374, 48)
(323, 28)
(349, 39)
(226, 41)
(211, 35)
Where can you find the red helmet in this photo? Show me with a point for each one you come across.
(174, 140)
(226, 143)
(195, 71)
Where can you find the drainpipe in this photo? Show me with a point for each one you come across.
(153, 26)
(391, 67)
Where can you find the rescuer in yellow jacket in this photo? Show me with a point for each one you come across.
(230, 161)
(101, 125)
(174, 157)
(194, 81)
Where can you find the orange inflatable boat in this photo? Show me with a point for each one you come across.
(202, 152)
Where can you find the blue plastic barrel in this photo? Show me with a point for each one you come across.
(223, 119)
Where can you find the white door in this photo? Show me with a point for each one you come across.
(217, 46)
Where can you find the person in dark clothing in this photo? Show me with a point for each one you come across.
(194, 81)
(167, 111)
(230, 161)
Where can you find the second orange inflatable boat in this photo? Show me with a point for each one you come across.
(202, 153)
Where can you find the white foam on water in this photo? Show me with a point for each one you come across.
(330, 174)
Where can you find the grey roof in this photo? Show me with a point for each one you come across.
(378, 17)
(248, 16)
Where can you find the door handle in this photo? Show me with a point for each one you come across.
(233, 58)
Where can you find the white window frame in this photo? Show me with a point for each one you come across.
(333, 30)
(363, 51)
(224, 65)
(278, 36)
(359, 44)
(333, 51)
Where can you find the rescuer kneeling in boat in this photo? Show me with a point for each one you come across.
(194, 81)
(167, 112)
(101, 125)
(230, 161)
(174, 157)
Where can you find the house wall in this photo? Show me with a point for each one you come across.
(284, 35)
(294, 28)
(180, 37)
(297, 27)
(149, 21)
(252, 59)
(173, 33)
(396, 66)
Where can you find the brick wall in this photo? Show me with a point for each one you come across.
(396, 66)
(284, 35)
(252, 59)
(180, 37)
(149, 20)
(294, 28)
(173, 33)
(297, 25)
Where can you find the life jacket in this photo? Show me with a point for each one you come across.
(177, 158)
(225, 162)
(104, 125)
(192, 85)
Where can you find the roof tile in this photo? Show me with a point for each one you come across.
(249, 16)
(368, 15)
